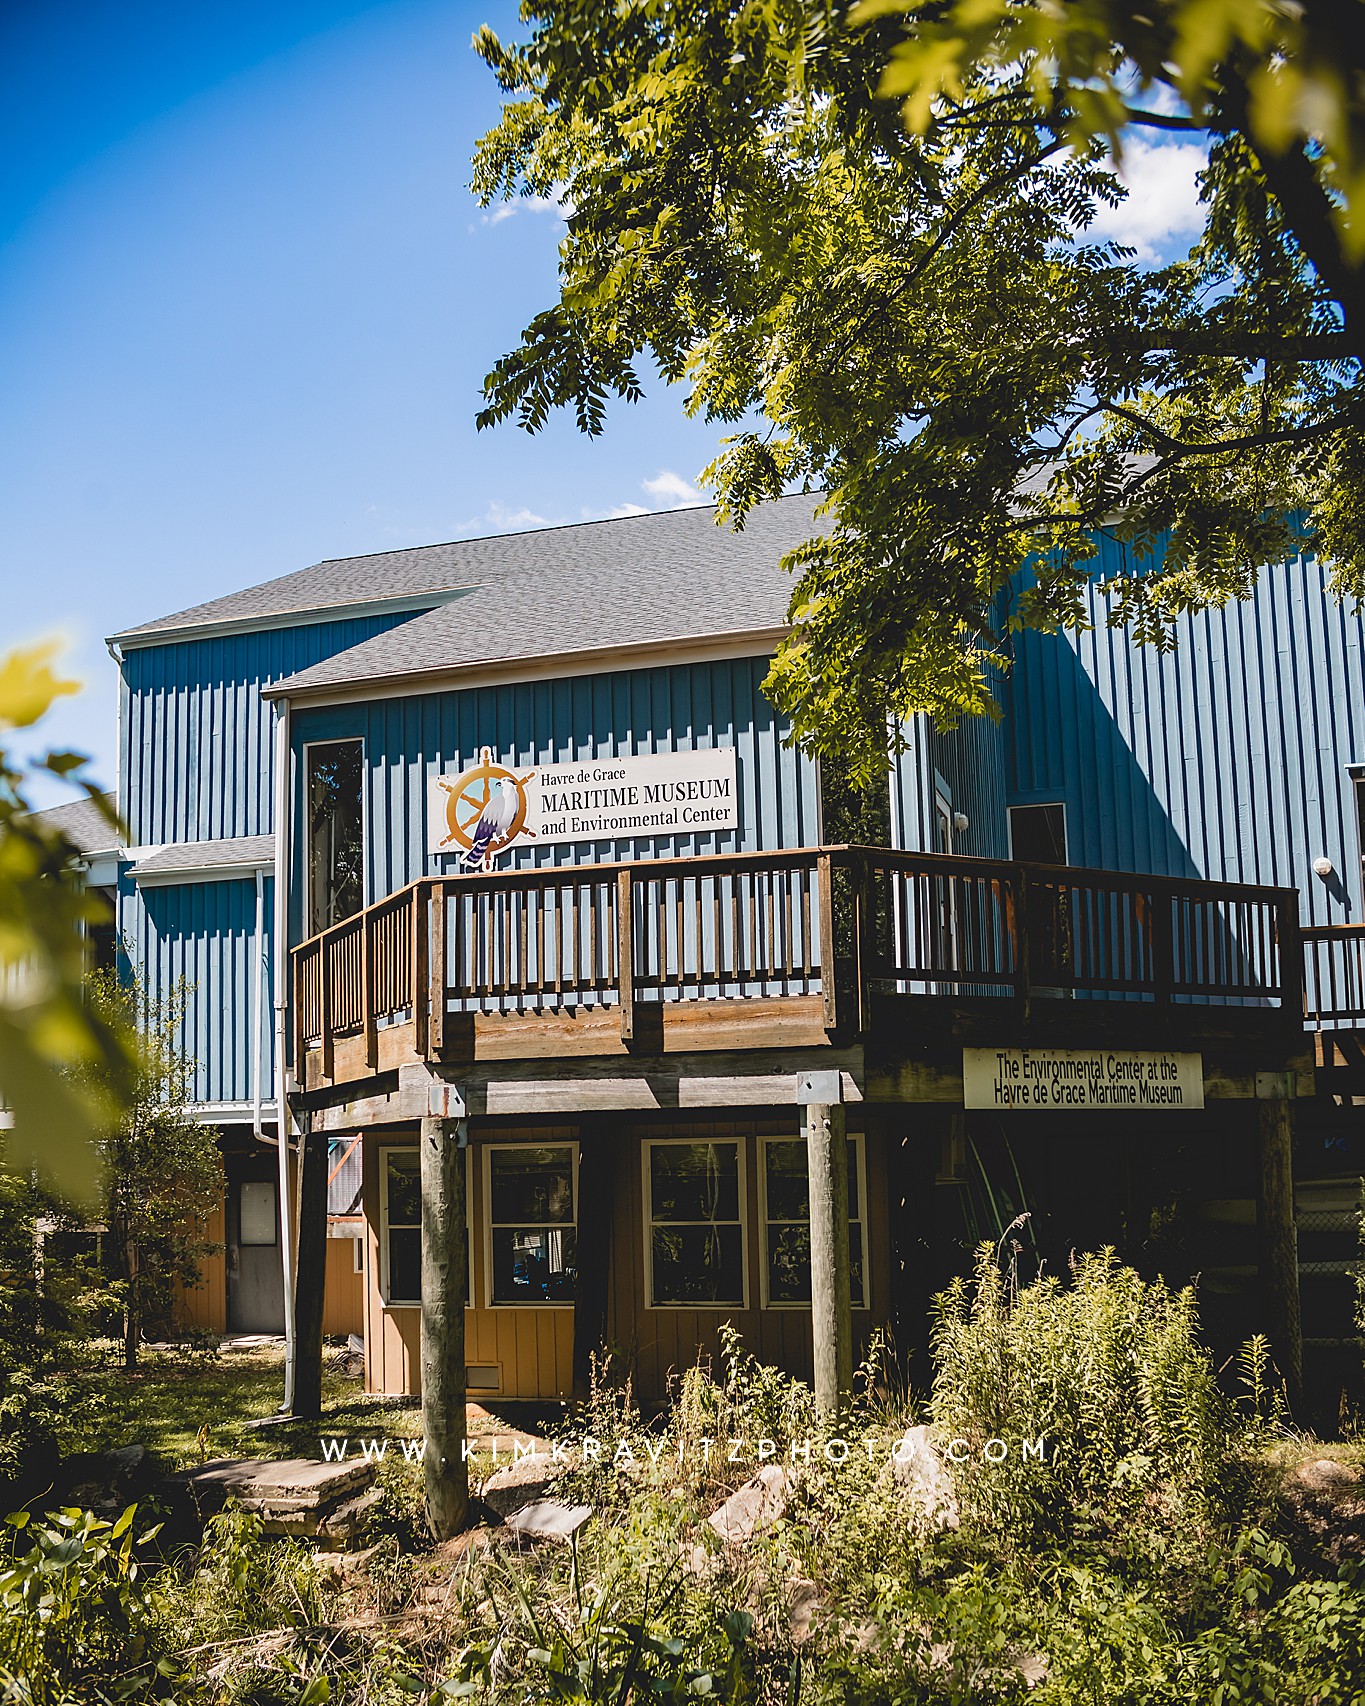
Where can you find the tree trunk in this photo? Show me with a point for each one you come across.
(1279, 1253)
(131, 1311)
(310, 1274)
(445, 1264)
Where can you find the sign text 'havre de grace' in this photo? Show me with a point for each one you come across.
(1053, 1079)
(480, 812)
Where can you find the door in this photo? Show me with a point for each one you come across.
(255, 1301)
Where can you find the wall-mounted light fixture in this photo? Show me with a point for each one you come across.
(1322, 866)
(961, 823)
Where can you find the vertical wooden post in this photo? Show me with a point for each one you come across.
(421, 962)
(325, 1001)
(625, 956)
(310, 1272)
(597, 1161)
(1279, 1251)
(829, 958)
(437, 1038)
(445, 1263)
(367, 990)
(830, 1298)
(914, 1141)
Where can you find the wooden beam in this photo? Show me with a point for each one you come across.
(310, 1272)
(831, 1303)
(597, 1169)
(1279, 1251)
(445, 1264)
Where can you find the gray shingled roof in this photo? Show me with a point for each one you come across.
(640, 581)
(189, 857)
(604, 562)
(83, 825)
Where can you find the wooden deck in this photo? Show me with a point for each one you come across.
(772, 951)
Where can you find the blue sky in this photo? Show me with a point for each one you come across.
(246, 303)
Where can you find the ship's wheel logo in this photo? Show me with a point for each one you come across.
(485, 811)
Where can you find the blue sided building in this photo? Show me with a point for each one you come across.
(503, 836)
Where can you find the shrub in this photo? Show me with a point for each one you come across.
(1109, 1373)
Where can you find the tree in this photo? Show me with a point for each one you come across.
(46, 1025)
(162, 1171)
(913, 317)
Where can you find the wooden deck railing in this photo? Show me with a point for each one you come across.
(832, 922)
(1334, 975)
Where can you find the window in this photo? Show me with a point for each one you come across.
(694, 1232)
(786, 1221)
(357, 1255)
(400, 1228)
(1038, 834)
(336, 833)
(256, 1212)
(531, 1221)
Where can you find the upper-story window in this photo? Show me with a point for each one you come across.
(336, 831)
(1038, 834)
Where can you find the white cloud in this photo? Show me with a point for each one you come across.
(526, 204)
(666, 485)
(1162, 213)
(620, 512)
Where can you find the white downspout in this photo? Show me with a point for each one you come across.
(283, 807)
(258, 1008)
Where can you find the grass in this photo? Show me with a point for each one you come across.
(187, 1407)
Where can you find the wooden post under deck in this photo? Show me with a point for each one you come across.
(597, 1168)
(310, 1273)
(830, 1291)
(915, 1137)
(445, 1263)
(1279, 1252)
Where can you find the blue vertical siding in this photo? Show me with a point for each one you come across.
(197, 758)
(970, 761)
(410, 740)
(194, 945)
(1223, 759)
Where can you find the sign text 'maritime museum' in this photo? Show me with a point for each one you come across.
(1052, 1079)
(593, 799)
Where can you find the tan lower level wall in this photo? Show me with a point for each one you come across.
(532, 1348)
(204, 1306)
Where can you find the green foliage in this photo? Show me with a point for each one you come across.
(919, 323)
(162, 1170)
(1108, 1372)
(46, 1027)
(80, 1618)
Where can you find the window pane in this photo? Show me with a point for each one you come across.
(1038, 834)
(256, 1216)
(336, 837)
(698, 1264)
(788, 1197)
(694, 1181)
(789, 1263)
(533, 1265)
(405, 1187)
(532, 1185)
(405, 1265)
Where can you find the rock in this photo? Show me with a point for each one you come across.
(105, 1482)
(1324, 1502)
(918, 1468)
(295, 1496)
(1325, 1475)
(547, 1519)
(757, 1505)
(803, 1601)
(518, 1484)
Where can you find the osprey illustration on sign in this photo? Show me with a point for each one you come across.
(485, 811)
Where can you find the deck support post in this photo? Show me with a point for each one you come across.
(821, 1093)
(597, 1159)
(916, 1139)
(445, 1263)
(1279, 1252)
(310, 1273)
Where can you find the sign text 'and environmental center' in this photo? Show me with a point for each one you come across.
(1049, 1079)
(480, 812)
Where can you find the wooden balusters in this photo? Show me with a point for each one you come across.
(625, 954)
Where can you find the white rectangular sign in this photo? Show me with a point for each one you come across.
(481, 811)
(1054, 1079)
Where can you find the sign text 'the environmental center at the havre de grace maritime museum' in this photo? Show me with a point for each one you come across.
(1050, 1079)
